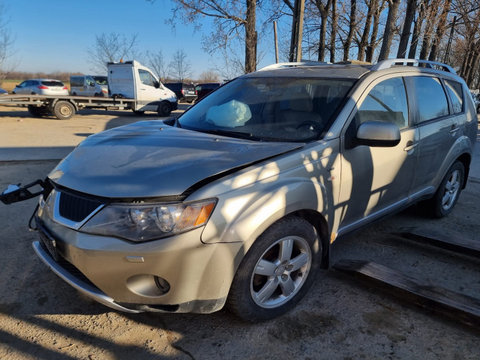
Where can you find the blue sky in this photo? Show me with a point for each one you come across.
(54, 35)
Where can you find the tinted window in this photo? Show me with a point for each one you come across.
(431, 99)
(52, 83)
(76, 81)
(146, 78)
(455, 92)
(386, 102)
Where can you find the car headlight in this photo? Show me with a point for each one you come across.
(143, 222)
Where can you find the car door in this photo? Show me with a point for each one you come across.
(438, 130)
(377, 179)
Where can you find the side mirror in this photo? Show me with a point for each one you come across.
(378, 134)
(156, 84)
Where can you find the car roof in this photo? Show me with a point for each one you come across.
(353, 69)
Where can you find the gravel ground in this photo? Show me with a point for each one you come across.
(41, 317)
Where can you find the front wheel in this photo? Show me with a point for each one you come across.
(164, 109)
(277, 271)
(447, 194)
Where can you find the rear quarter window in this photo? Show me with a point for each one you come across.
(455, 93)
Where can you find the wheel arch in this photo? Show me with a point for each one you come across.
(465, 159)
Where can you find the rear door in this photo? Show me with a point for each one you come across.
(438, 130)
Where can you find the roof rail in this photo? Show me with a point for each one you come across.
(388, 63)
(293, 64)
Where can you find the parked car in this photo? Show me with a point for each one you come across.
(185, 92)
(89, 85)
(205, 89)
(3, 92)
(41, 87)
(240, 200)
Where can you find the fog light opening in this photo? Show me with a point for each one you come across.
(162, 284)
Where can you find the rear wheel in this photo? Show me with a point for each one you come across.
(277, 271)
(164, 109)
(63, 110)
(447, 194)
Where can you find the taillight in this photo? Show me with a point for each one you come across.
(43, 87)
(65, 88)
(183, 92)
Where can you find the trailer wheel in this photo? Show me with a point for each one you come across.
(164, 109)
(63, 110)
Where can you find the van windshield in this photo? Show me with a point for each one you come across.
(269, 109)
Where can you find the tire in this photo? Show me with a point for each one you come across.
(449, 190)
(164, 109)
(277, 271)
(37, 111)
(63, 110)
(138, 112)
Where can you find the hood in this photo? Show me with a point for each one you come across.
(152, 159)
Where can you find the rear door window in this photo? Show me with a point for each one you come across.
(52, 83)
(430, 98)
(455, 92)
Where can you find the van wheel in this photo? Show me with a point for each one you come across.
(277, 271)
(449, 190)
(63, 110)
(164, 109)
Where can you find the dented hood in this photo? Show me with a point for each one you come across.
(152, 159)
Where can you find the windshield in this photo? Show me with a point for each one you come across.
(100, 80)
(269, 109)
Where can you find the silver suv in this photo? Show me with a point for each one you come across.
(238, 200)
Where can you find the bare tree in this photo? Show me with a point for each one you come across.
(352, 24)
(375, 28)
(156, 62)
(362, 44)
(389, 29)
(6, 42)
(441, 27)
(429, 27)
(407, 27)
(230, 18)
(333, 32)
(209, 76)
(111, 47)
(180, 66)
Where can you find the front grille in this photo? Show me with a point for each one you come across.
(76, 208)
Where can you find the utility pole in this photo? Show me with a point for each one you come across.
(276, 40)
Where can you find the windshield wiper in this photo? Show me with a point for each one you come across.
(229, 133)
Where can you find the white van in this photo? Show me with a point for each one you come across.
(89, 85)
(132, 80)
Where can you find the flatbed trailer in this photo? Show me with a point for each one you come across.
(63, 107)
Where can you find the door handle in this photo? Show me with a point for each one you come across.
(454, 129)
(410, 146)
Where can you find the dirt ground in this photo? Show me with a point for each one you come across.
(41, 317)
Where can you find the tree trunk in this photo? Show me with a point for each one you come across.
(324, 10)
(417, 28)
(427, 34)
(366, 30)
(389, 26)
(351, 31)
(250, 38)
(407, 26)
(373, 38)
(333, 33)
(441, 27)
